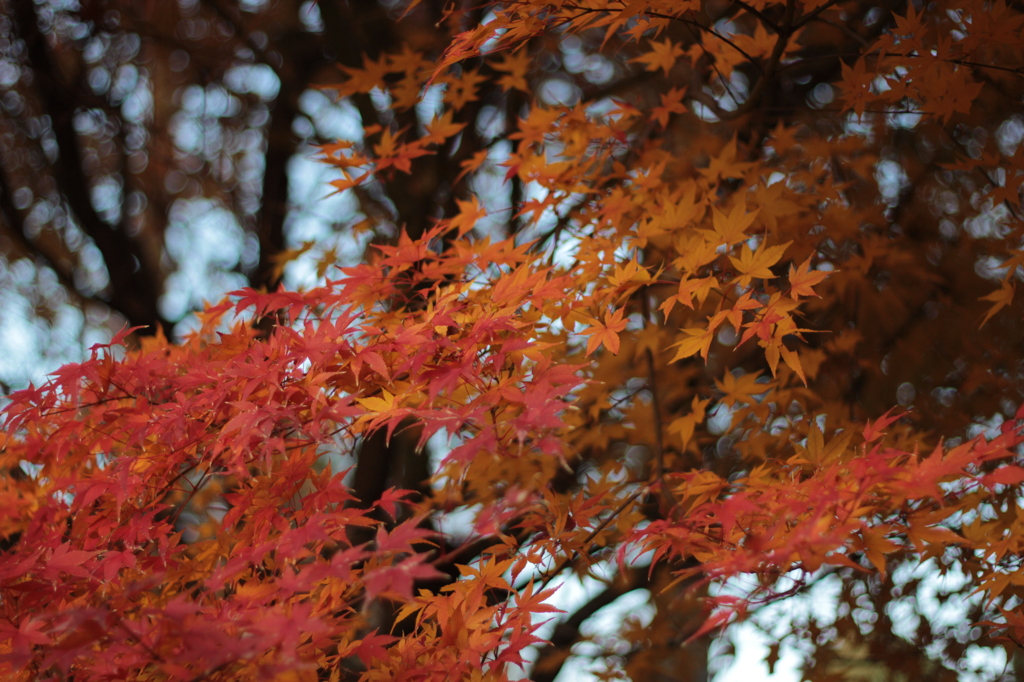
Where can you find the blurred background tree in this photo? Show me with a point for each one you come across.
(155, 154)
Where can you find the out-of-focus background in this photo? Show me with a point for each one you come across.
(155, 154)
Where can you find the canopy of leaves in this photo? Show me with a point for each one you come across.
(715, 305)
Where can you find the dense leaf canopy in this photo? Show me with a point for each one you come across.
(709, 304)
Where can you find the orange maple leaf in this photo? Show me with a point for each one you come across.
(462, 90)
(662, 56)
(366, 79)
(606, 333)
(470, 213)
(472, 164)
(671, 103)
(757, 264)
(801, 279)
(514, 66)
(732, 228)
(1000, 298)
(698, 341)
(442, 128)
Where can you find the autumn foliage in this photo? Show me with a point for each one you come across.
(748, 314)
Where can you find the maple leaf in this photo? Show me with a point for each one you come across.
(874, 430)
(783, 139)
(725, 164)
(532, 602)
(701, 287)
(514, 66)
(631, 272)
(1007, 475)
(365, 79)
(1010, 191)
(802, 279)
(760, 44)
(442, 128)
(282, 258)
(605, 333)
(671, 103)
(731, 228)
(391, 153)
(662, 56)
(741, 388)
(463, 89)
(752, 264)
(1000, 298)
(373, 647)
(382, 403)
(685, 426)
(716, 621)
(744, 303)
(119, 339)
(820, 453)
(470, 213)
(909, 24)
(856, 85)
(792, 359)
(698, 341)
(396, 581)
(67, 560)
(20, 641)
(472, 164)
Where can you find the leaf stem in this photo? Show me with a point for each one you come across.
(652, 386)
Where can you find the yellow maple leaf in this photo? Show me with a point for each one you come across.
(385, 402)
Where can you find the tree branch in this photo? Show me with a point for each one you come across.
(134, 290)
(552, 657)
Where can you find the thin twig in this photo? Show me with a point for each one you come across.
(810, 16)
(652, 386)
(671, 17)
(760, 15)
(549, 574)
(846, 30)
